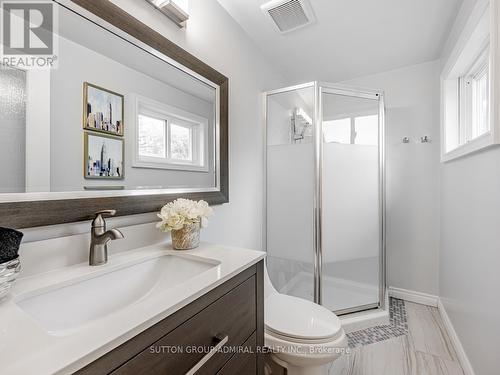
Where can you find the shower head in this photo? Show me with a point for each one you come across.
(301, 124)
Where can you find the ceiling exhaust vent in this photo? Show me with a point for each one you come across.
(289, 15)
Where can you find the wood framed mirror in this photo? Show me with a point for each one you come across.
(127, 121)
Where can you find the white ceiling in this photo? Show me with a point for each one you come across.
(351, 38)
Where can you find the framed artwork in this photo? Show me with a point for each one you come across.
(102, 110)
(104, 157)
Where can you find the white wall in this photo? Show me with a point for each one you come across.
(469, 257)
(469, 276)
(412, 103)
(213, 36)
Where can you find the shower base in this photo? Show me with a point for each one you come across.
(338, 294)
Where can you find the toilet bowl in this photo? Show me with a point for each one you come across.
(305, 338)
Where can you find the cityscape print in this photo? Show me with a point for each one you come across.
(104, 157)
(103, 110)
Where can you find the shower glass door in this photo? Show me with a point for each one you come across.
(351, 199)
(290, 180)
(325, 217)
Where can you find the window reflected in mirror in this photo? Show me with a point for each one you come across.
(170, 138)
(181, 142)
(152, 137)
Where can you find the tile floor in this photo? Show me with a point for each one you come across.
(425, 349)
(398, 326)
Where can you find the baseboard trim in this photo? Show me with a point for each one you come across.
(412, 296)
(459, 349)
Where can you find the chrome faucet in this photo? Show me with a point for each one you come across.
(100, 237)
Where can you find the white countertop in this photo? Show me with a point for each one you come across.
(27, 348)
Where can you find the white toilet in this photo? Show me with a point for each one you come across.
(305, 338)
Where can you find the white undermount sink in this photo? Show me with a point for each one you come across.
(71, 304)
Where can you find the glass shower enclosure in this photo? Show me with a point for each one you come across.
(325, 195)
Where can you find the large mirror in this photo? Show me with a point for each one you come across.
(122, 113)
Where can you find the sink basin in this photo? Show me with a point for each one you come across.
(70, 305)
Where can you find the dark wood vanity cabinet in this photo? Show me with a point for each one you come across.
(230, 317)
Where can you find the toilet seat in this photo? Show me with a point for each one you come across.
(297, 320)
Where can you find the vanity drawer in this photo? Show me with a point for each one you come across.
(244, 363)
(233, 315)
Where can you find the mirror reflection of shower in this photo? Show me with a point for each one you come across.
(300, 125)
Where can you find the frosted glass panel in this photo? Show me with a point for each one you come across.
(350, 222)
(290, 191)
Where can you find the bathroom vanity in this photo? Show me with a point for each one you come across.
(231, 315)
(150, 310)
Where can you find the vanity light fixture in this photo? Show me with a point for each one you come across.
(176, 10)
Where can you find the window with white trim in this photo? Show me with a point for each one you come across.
(169, 138)
(468, 84)
(474, 103)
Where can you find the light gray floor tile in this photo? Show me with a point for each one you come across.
(398, 356)
(427, 333)
(425, 349)
(388, 357)
(427, 364)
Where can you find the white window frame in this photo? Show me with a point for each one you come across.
(196, 135)
(467, 85)
(476, 46)
(171, 115)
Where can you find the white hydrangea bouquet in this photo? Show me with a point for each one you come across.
(184, 218)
